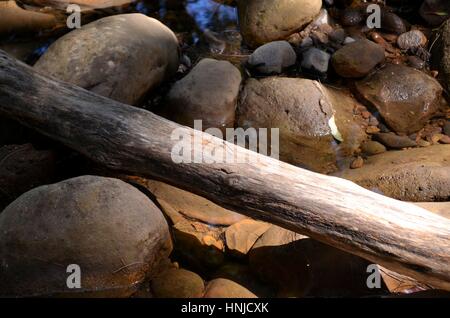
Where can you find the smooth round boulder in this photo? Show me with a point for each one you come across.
(208, 93)
(102, 228)
(122, 57)
(263, 21)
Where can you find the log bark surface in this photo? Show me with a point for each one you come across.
(398, 235)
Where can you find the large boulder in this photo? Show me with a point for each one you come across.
(316, 124)
(208, 93)
(406, 98)
(417, 175)
(122, 57)
(263, 21)
(112, 231)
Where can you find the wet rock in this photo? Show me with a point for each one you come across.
(266, 21)
(191, 205)
(411, 40)
(199, 244)
(23, 168)
(14, 19)
(298, 266)
(417, 175)
(273, 57)
(316, 124)
(372, 148)
(208, 93)
(225, 288)
(394, 141)
(241, 236)
(315, 61)
(177, 283)
(357, 59)
(392, 23)
(122, 57)
(405, 97)
(444, 139)
(111, 230)
(430, 7)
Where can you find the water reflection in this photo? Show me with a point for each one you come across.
(188, 18)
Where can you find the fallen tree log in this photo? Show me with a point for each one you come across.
(399, 236)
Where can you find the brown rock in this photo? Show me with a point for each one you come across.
(241, 236)
(405, 97)
(372, 148)
(14, 19)
(191, 205)
(112, 231)
(357, 59)
(357, 163)
(225, 288)
(419, 174)
(199, 244)
(394, 141)
(177, 283)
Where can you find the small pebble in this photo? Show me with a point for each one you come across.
(357, 163)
